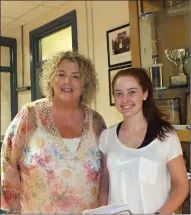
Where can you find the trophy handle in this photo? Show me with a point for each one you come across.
(167, 55)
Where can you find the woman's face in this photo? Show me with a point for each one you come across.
(129, 96)
(67, 83)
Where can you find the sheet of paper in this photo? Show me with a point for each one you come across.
(109, 209)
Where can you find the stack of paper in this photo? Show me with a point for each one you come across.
(110, 209)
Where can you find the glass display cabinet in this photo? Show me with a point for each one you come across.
(160, 43)
(163, 48)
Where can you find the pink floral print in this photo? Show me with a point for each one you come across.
(38, 172)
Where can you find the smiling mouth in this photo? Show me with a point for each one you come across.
(127, 106)
(67, 90)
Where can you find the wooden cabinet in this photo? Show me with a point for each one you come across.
(184, 135)
(146, 6)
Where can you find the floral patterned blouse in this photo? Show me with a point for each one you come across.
(39, 174)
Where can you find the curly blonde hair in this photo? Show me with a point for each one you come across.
(86, 69)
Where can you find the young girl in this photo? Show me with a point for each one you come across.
(142, 156)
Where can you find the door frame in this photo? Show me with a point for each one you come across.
(12, 69)
(62, 22)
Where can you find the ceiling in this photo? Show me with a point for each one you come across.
(17, 13)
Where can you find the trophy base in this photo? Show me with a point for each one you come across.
(179, 81)
(155, 71)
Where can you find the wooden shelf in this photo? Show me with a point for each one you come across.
(184, 135)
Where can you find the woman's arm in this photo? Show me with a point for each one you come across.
(11, 151)
(104, 182)
(180, 185)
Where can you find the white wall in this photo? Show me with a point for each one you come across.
(106, 15)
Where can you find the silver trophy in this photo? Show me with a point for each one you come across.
(179, 57)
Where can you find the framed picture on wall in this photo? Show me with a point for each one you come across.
(111, 74)
(118, 46)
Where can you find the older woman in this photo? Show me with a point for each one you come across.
(50, 158)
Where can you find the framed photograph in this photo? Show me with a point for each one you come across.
(111, 73)
(118, 46)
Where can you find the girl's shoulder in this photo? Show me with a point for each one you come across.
(171, 136)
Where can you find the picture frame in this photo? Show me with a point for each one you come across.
(119, 46)
(111, 73)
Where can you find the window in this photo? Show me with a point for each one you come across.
(58, 35)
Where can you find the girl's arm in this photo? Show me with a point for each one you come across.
(180, 185)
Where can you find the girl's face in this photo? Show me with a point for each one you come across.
(129, 96)
(67, 83)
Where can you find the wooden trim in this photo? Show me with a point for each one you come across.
(134, 33)
(149, 6)
(184, 135)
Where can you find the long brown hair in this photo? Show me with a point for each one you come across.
(154, 117)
